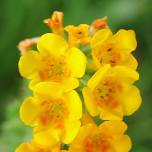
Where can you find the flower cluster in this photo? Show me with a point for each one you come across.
(78, 74)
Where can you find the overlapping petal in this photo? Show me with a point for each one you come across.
(100, 37)
(77, 62)
(29, 64)
(52, 44)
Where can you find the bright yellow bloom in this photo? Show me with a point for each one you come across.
(52, 113)
(114, 49)
(108, 137)
(54, 62)
(78, 34)
(111, 94)
(35, 147)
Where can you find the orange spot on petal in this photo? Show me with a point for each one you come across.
(44, 119)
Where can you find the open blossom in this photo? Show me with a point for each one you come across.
(53, 62)
(78, 34)
(114, 49)
(107, 137)
(52, 112)
(111, 94)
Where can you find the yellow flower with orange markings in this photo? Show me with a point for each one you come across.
(114, 49)
(78, 34)
(111, 94)
(52, 112)
(107, 137)
(54, 62)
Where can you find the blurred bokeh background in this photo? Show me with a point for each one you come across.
(20, 19)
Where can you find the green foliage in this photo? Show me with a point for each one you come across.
(14, 131)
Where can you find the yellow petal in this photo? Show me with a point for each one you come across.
(29, 64)
(126, 40)
(28, 111)
(129, 75)
(122, 144)
(78, 144)
(74, 104)
(70, 84)
(69, 28)
(98, 76)
(33, 83)
(52, 44)
(113, 127)
(47, 137)
(96, 61)
(131, 100)
(48, 90)
(77, 62)
(71, 130)
(100, 37)
(66, 86)
(111, 114)
(89, 102)
(131, 62)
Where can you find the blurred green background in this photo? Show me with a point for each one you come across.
(20, 19)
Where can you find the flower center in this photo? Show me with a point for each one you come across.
(107, 54)
(79, 34)
(53, 112)
(105, 93)
(54, 69)
(43, 150)
(96, 143)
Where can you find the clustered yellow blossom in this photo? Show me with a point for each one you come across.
(78, 34)
(69, 94)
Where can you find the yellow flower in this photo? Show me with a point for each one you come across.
(114, 49)
(78, 34)
(54, 62)
(111, 94)
(35, 147)
(52, 113)
(108, 137)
